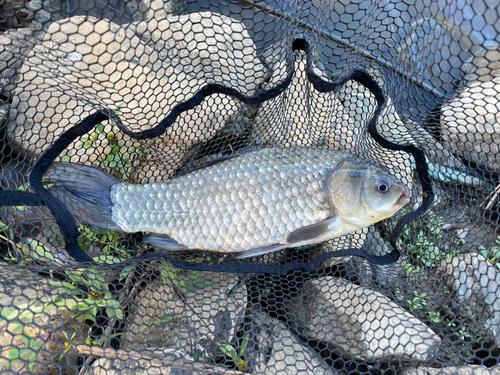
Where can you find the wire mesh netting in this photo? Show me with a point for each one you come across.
(282, 187)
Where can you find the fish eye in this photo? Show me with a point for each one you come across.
(383, 186)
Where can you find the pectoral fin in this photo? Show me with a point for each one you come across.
(313, 232)
(259, 251)
(163, 242)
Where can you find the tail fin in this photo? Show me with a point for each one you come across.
(85, 191)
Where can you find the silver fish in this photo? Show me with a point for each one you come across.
(253, 204)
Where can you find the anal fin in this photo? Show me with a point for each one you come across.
(164, 242)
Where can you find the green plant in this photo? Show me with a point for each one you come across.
(263, 294)
(118, 158)
(166, 319)
(32, 348)
(97, 296)
(112, 250)
(182, 280)
(424, 246)
(434, 317)
(418, 302)
(425, 250)
(90, 341)
(68, 343)
(464, 334)
(237, 358)
(492, 254)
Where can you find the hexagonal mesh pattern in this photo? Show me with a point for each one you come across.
(216, 187)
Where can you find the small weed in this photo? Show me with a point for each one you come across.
(166, 319)
(112, 250)
(97, 296)
(68, 343)
(263, 294)
(421, 238)
(237, 358)
(31, 349)
(434, 317)
(118, 159)
(492, 254)
(418, 302)
(180, 279)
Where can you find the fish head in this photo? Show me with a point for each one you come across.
(364, 193)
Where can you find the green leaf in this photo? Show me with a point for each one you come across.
(228, 350)
(244, 344)
(32, 361)
(4, 313)
(14, 353)
(25, 351)
(25, 339)
(115, 150)
(18, 329)
(166, 319)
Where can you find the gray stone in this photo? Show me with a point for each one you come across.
(473, 277)
(34, 5)
(484, 65)
(470, 123)
(361, 322)
(4, 114)
(420, 55)
(136, 366)
(85, 64)
(276, 350)
(461, 370)
(369, 273)
(146, 10)
(198, 318)
(15, 45)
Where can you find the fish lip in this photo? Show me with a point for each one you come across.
(404, 198)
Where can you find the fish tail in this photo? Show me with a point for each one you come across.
(85, 191)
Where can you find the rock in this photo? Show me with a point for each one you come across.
(470, 123)
(370, 274)
(146, 10)
(21, 285)
(198, 318)
(484, 65)
(4, 114)
(15, 45)
(470, 118)
(144, 69)
(300, 123)
(335, 120)
(133, 366)
(473, 277)
(361, 322)
(422, 55)
(277, 350)
(462, 370)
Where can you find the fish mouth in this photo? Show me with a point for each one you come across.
(404, 198)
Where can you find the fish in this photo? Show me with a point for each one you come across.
(251, 204)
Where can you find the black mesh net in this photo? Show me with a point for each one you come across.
(282, 187)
